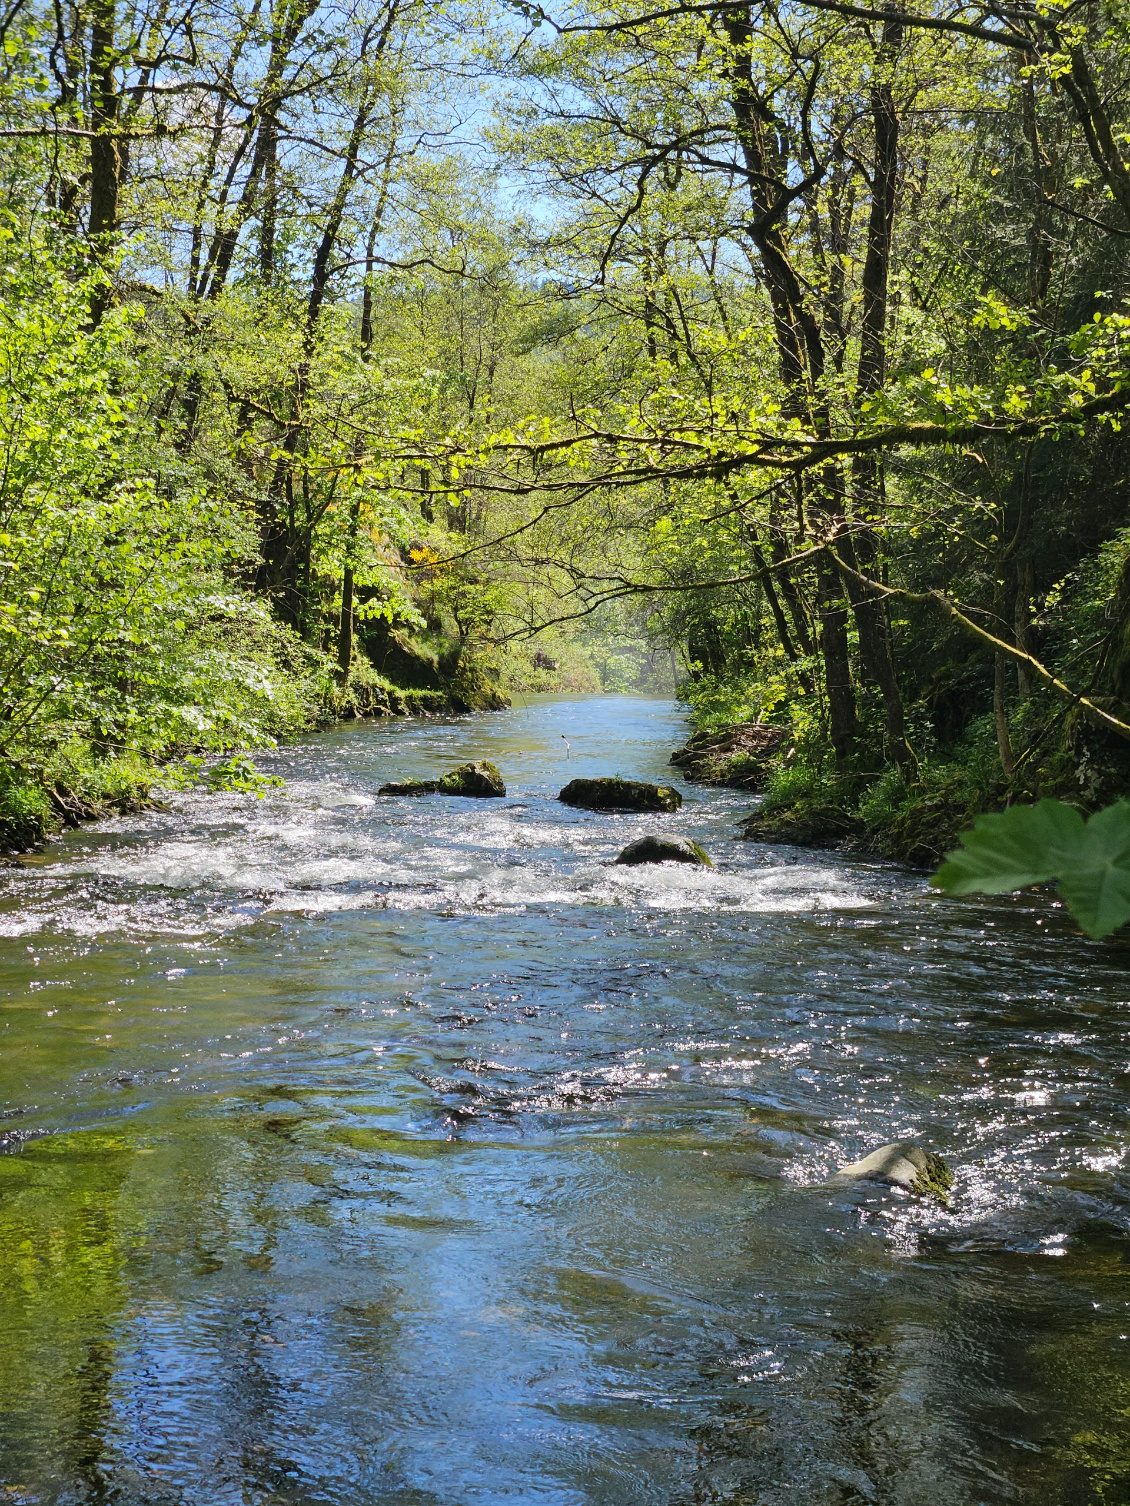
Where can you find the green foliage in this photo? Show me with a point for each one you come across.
(794, 782)
(74, 784)
(720, 700)
(237, 774)
(25, 811)
(1031, 844)
(119, 621)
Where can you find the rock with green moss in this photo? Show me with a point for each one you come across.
(665, 850)
(901, 1164)
(806, 826)
(620, 795)
(480, 781)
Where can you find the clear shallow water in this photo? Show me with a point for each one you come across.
(370, 1151)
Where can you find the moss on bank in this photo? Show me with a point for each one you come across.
(914, 823)
(75, 786)
(466, 679)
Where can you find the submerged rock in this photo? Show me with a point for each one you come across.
(620, 795)
(344, 800)
(665, 850)
(901, 1164)
(480, 780)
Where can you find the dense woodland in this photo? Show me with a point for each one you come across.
(376, 355)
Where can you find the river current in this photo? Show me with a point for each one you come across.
(405, 1152)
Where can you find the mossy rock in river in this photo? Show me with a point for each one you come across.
(620, 795)
(665, 850)
(901, 1164)
(480, 780)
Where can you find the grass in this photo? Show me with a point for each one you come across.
(74, 784)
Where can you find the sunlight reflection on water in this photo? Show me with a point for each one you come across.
(407, 1151)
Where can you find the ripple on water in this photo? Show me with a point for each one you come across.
(409, 1151)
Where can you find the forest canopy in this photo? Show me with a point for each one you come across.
(376, 356)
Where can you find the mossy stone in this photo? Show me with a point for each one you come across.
(664, 850)
(903, 1164)
(479, 781)
(609, 794)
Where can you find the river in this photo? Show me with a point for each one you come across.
(406, 1152)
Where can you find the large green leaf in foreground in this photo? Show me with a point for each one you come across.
(1029, 844)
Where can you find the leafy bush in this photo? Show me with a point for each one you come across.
(793, 782)
(237, 773)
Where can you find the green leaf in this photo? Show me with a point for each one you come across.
(1096, 889)
(1026, 844)
(1029, 844)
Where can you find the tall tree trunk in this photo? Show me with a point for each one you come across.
(268, 220)
(1043, 181)
(1000, 713)
(778, 553)
(1000, 680)
(833, 613)
(345, 626)
(1022, 616)
(107, 147)
(800, 349)
(775, 607)
(1083, 91)
(837, 661)
(876, 650)
(106, 161)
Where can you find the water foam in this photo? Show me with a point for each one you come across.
(219, 861)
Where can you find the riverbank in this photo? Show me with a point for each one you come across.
(916, 827)
(72, 788)
(81, 782)
(806, 802)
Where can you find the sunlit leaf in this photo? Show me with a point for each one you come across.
(1030, 844)
(1022, 845)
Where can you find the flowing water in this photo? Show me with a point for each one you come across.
(404, 1151)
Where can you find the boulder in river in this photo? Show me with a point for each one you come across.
(620, 795)
(665, 850)
(480, 780)
(901, 1164)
